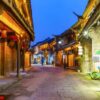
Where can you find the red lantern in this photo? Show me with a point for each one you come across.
(23, 45)
(4, 34)
(11, 43)
(14, 38)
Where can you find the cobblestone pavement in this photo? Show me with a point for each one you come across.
(48, 83)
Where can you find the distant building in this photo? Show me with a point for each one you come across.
(43, 49)
(16, 32)
(67, 49)
(79, 46)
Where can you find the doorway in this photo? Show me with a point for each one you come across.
(71, 60)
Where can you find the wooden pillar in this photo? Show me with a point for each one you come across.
(2, 58)
(23, 60)
(3, 42)
(18, 58)
(56, 54)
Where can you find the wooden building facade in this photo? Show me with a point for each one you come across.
(16, 32)
(67, 49)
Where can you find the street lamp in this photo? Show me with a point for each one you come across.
(85, 33)
(60, 42)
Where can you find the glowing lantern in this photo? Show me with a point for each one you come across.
(11, 43)
(4, 34)
(14, 38)
(80, 49)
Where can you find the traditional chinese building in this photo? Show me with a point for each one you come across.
(83, 48)
(16, 32)
(85, 58)
(90, 41)
(44, 49)
(67, 49)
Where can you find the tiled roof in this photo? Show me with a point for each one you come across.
(47, 40)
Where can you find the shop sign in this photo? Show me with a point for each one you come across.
(97, 52)
(96, 58)
(80, 50)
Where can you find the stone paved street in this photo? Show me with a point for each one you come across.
(49, 83)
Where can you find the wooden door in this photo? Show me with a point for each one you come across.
(71, 60)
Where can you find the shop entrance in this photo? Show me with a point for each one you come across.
(71, 60)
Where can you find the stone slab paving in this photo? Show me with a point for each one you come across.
(6, 82)
(48, 83)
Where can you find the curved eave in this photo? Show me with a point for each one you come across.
(94, 17)
(67, 45)
(82, 22)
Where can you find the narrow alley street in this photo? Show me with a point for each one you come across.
(50, 83)
(49, 50)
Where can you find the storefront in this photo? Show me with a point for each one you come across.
(15, 36)
(59, 58)
(89, 38)
(71, 55)
(43, 51)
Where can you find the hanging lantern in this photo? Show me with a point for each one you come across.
(11, 43)
(23, 46)
(14, 38)
(4, 34)
(80, 49)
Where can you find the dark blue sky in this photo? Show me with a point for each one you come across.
(54, 16)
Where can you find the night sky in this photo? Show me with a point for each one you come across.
(54, 16)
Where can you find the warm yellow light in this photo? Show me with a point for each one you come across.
(80, 50)
(85, 33)
(44, 46)
(24, 1)
(7, 20)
